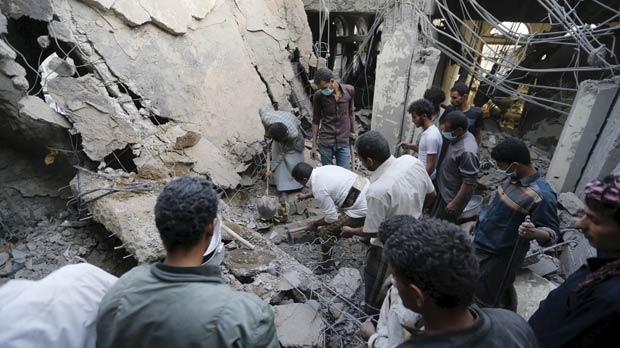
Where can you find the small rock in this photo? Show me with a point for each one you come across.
(189, 139)
(18, 254)
(3, 258)
(62, 67)
(571, 203)
(346, 282)
(335, 310)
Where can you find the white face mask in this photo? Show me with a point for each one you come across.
(216, 247)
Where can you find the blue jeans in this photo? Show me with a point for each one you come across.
(342, 154)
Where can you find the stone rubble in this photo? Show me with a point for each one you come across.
(299, 325)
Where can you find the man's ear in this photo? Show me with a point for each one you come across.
(419, 296)
(209, 229)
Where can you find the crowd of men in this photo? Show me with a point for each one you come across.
(428, 282)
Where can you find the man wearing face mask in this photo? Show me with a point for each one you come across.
(183, 302)
(333, 119)
(524, 208)
(457, 169)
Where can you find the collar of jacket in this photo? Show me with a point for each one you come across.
(204, 274)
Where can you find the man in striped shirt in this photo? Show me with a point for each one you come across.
(524, 208)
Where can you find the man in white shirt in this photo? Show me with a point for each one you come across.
(431, 140)
(58, 311)
(335, 188)
(398, 186)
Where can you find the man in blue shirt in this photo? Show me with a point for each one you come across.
(524, 208)
(585, 310)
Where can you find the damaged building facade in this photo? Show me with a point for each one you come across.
(104, 101)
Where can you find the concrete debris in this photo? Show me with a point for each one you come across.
(93, 115)
(299, 325)
(63, 67)
(60, 31)
(346, 282)
(266, 286)
(188, 139)
(3, 29)
(44, 41)
(4, 257)
(575, 255)
(246, 264)
(531, 289)
(131, 11)
(211, 162)
(40, 9)
(545, 265)
(11, 68)
(571, 203)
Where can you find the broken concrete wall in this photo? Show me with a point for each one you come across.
(587, 148)
(405, 69)
(158, 88)
(349, 6)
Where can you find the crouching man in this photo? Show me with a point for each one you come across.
(182, 302)
(335, 188)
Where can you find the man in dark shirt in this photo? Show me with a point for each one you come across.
(503, 232)
(435, 271)
(585, 310)
(459, 95)
(457, 169)
(333, 119)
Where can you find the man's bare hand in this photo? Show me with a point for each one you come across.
(367, 329)
(527, 230)
(303, 196)
(313, 154)
(269, 174)
(347, 232)
(451, 208)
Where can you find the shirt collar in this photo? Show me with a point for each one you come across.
(595, 263)
(382, 169)
(203, 273)
(526, 181)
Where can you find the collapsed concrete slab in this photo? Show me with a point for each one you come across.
(299, 325)
(531, 289)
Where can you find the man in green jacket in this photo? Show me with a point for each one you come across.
(182, 301)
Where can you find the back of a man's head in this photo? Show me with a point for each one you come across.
(456, 120)
(323, 75)
(184, 209)
(511, 150)
(434, 255)
(373, 145)
(436, 96)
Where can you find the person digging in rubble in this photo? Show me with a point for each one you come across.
(435, 271)
(503, 232)
(287, 150)
(457, 169)
(183, 301)
(431, 140)
(58, 311)
(397, 186)
(333, 119)
(459, 100)
(585, 310)
(334, 188)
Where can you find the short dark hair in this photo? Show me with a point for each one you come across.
(457, 119)
(302, 170)
(323, 74)
(436, 96)
(511, 150)
(461, 88)
(437, 257)
(390, 226)
(278, 131)
(183, 210)
(421, 107)
(373, 144)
